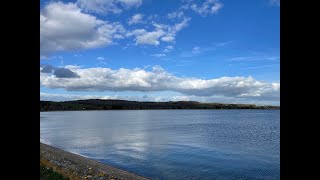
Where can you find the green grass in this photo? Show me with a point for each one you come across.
(49, 174)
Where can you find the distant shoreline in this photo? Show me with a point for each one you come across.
(99, 104)
(143, 110)
(75, 166)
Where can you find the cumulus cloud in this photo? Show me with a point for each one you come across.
(150, 37)
(107, 6)
(153, 98)
(65, 27)
(72, 67)
(99, 6)
(207, 7)
(70, 97)
(69, 27)
(65, 73)
(105, 79)
(59, 72)
(143, 36)
(161, 32)
(135, 19)
(168, 38)
(146, 98)
(47, 69)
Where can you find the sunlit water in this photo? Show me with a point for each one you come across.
(172, 144)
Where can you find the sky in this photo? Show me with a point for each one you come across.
(150, 50)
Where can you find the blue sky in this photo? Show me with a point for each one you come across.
(151, 50)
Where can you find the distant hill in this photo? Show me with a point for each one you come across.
(99, 104)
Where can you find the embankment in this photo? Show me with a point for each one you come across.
(77, 167)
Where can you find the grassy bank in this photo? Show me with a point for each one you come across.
(47, 173)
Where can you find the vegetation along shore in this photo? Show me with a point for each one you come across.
(99, 104)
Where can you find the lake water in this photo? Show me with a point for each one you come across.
(172, 144)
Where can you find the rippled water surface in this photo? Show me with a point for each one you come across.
(172, 144)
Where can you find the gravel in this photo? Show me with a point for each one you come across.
(78, 167)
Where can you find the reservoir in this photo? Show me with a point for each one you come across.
(172, 144)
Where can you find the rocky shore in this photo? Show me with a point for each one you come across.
(76, 167)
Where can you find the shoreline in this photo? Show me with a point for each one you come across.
(77, 167)
(99, 104)
(151, 110)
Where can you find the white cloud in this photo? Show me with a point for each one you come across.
(101, 61)
(255, 58)
(131, 3)
(143, 36)
(60, 72)
(105, 79)
(168, 49)
(51, 57)
(107, 6)
(181, 25)
(146, 98)
(208, 7)
(135, 19)
(168, 38)
(99, 6)
(72, 67)
(77, 55)
(153, 17)
(158, 55)
(69, 97)
(196, 50)
(153, 98)
(259, 67)
(67, 27)
(63, 27)
(275, 2)
(100, 58)
(175, 15)
(151, 38)
(161, 32)
(136, 32)
(64, 73)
